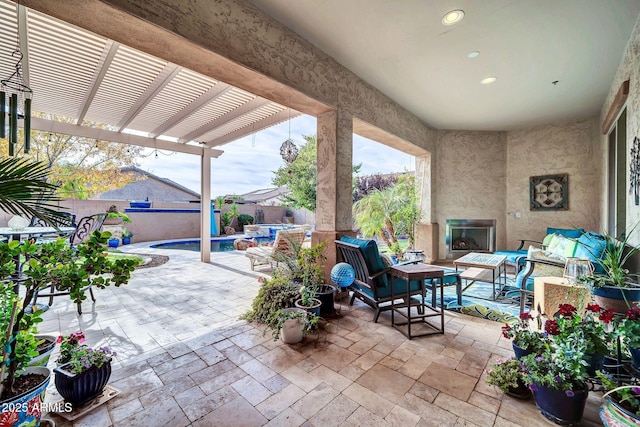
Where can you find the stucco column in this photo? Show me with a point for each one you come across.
(426, 231)
(334, 193)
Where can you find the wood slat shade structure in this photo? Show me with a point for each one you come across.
(616, 106)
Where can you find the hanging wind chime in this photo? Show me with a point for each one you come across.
(17, 94)
(288, 149)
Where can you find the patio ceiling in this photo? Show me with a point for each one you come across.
(141, 99)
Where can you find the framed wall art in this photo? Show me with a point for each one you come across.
(549, 192)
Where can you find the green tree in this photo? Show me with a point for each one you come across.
(80, 167)
(301, 176)
(389, 212)
(408, 214)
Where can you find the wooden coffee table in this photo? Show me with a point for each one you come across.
(483, 267)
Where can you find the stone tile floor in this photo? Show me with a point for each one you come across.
(184, 359)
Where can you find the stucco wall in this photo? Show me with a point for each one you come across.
(629, 69)
(470, 173)
(572, 148)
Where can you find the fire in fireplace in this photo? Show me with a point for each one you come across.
(470, 235)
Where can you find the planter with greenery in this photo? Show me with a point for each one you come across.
(621, 403)
(32, 267)
(126, 236)
(590, 329)
(114, 217)
(293, 324)
(557, 377)
(616, 288)
(83, 372)
(525, 338)
(274, 294)
(508, 376)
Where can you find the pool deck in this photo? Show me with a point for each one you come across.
(184, 359)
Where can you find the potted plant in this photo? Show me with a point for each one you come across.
(293, 324)
(274, 294)
(591, 329)
(307, 300)
(629, 330)
(621, 403)
(616, 288)
(114, 217)
(126, 236)
(508, 376)
(557, 377)
(53, 263)
(310, 271)
(524, 338)
(83, 372)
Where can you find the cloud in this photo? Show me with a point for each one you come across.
(247, 164)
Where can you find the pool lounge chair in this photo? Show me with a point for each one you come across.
(287, 242)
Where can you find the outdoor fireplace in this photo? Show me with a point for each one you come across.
(470, 235)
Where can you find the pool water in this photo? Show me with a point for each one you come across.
(216, 245)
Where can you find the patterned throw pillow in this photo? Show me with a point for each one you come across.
(544, 269)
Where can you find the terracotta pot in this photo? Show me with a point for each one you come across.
(619, 299)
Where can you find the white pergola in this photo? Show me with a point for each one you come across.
(133, 97)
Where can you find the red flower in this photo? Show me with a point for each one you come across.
(567, 310)
(551, 326)
(594, 308)
(505, 331)
(260, 279)
(607, 315)
(634, 313)
(526, 316)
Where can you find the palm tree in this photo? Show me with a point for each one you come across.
(375, 213)
(24, 190)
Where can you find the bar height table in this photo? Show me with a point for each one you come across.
(417, 272)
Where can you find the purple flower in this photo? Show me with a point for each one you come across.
(569, 393)
(533, 387)
(557, 378)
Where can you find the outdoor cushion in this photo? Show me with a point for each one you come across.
(399, 288)
(590, 246)
(371, 255)
(571, 233)
(561, 247)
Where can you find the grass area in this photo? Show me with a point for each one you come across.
(112, 256)
(383, 248)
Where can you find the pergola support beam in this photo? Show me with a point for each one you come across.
(51, 126)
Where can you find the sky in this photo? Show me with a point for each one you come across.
(247, 164)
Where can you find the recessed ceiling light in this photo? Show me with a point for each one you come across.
(453, 17)
(488, 80)
(474, 54)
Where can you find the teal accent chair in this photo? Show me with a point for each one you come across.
(373, 281)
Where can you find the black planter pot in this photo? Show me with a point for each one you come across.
(81, 388)
(556, 406)
(326, 296)
(521, 392)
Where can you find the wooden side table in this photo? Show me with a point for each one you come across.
(550, 292)
(419, 272)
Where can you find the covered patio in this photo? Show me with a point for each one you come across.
(184, 359)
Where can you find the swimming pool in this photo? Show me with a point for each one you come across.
(218, 245)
